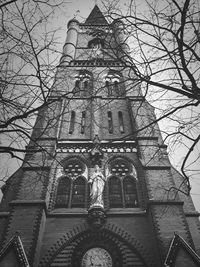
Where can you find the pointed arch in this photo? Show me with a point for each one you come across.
(121, 184)
(126, 245)
(71, 189)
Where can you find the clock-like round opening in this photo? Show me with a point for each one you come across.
(96, 257)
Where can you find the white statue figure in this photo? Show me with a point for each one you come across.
(97, 182)
(60, 171)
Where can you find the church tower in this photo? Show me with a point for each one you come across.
(96, 187)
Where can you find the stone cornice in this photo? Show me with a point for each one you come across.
(86, 146)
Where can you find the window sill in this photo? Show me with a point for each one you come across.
(121, 211)
(83, 212)
(65, 211)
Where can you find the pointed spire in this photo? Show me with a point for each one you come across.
(96, 17)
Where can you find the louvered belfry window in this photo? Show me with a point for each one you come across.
(72, 187)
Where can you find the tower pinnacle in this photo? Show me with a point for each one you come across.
(96, 17)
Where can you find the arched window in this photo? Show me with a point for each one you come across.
(115, 81)
(63, 192)
(115, 192)
(72, 122)
(122, 187)
(78, 193)
(110, 122)
(116, 88)
(77, 87)
(83, 83)
(121, 122)
(96, 43)
(109, 88)
(130, 192)
(72, 188)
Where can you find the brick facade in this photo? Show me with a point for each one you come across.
(138, 235)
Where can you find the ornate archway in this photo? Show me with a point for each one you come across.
(123, 250)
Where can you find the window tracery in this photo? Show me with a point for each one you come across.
(72, 186)
(122, 184)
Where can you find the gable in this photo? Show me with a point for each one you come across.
(9, 259)
(184, 259)
(180, 254)
(13, 254)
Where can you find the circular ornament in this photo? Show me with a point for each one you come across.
(74, 168)
(96, 257)
(120, 167)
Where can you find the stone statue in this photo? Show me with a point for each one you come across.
(60, 171)
(97, 182)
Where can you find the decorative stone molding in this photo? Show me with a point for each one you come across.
(96, 217)
(16, 243)
(104, 147)
(109, 230)
(176, 243)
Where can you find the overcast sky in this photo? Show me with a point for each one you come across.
(81, 9)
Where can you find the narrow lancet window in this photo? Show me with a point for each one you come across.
(72, 122)
(77, 87)
(110, 122)
(78, 193)
(109, 90)
(116, 88)
(63, 191)
(83, 122)
(130, 192)
(115, 193)
(85, 85)
(121, 122)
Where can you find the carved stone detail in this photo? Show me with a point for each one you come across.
(96, 217)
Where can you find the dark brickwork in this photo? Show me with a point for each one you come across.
(134, 236)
